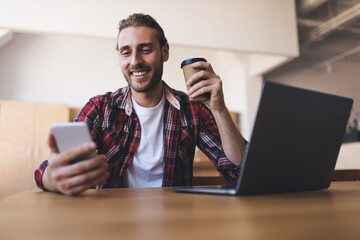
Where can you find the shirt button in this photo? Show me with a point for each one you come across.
(138, 128)
(131, 154)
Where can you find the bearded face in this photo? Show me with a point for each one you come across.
(141, 58)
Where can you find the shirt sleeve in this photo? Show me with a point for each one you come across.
(90, 115)
(209, 143)
(38, 174)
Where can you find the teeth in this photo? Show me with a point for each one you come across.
(139, 73)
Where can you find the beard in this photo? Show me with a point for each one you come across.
(144, 85)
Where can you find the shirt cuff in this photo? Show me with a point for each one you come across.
(38, 174)
(230, 171)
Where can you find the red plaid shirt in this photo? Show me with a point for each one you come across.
(115, 128)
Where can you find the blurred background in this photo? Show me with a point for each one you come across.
(329, 43)
(55, 55)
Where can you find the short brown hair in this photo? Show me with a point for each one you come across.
(139, 19)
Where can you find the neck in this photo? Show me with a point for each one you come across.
(150, 98)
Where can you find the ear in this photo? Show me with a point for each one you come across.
(165, 52)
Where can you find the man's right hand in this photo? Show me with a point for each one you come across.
(72, 179)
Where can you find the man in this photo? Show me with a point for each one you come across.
(146, 133)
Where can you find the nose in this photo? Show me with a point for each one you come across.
(135, 58)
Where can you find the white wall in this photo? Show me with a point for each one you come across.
(264, 26)
(57, 69)
(5, 36)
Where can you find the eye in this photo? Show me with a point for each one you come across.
(125, 53)
(146, 50)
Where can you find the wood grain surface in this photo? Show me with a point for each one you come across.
(159, 213)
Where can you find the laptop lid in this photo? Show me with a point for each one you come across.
(295, 141)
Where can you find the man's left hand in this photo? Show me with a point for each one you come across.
(206, 81)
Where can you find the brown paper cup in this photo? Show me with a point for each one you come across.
(189, 71)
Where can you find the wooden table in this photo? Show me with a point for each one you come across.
(160, 213)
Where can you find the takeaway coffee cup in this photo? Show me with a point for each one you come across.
(189, 71)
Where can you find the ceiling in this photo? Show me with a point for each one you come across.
(328, 32)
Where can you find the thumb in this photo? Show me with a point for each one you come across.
(52, 144)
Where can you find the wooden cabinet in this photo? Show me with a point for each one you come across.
(24, 129)
(74, 113)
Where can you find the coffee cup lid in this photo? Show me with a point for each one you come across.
(192, 60)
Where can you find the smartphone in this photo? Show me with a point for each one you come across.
(72, 134)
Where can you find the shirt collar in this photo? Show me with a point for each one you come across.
(124, 101)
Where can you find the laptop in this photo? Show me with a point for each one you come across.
(294, 145)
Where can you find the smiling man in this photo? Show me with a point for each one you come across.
(146, 132)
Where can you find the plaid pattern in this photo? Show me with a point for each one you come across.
(115, 128)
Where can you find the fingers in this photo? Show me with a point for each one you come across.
(77, 189)
(200, 91)
(71, 154)
(206, 81)
(202, 82)
(52, 143)
(80, 168)
(201, 76)
(76, 178)
(204, 66)
(206, 73)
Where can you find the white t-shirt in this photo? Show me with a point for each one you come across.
(146, 170)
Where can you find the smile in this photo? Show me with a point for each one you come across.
(139, 74)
